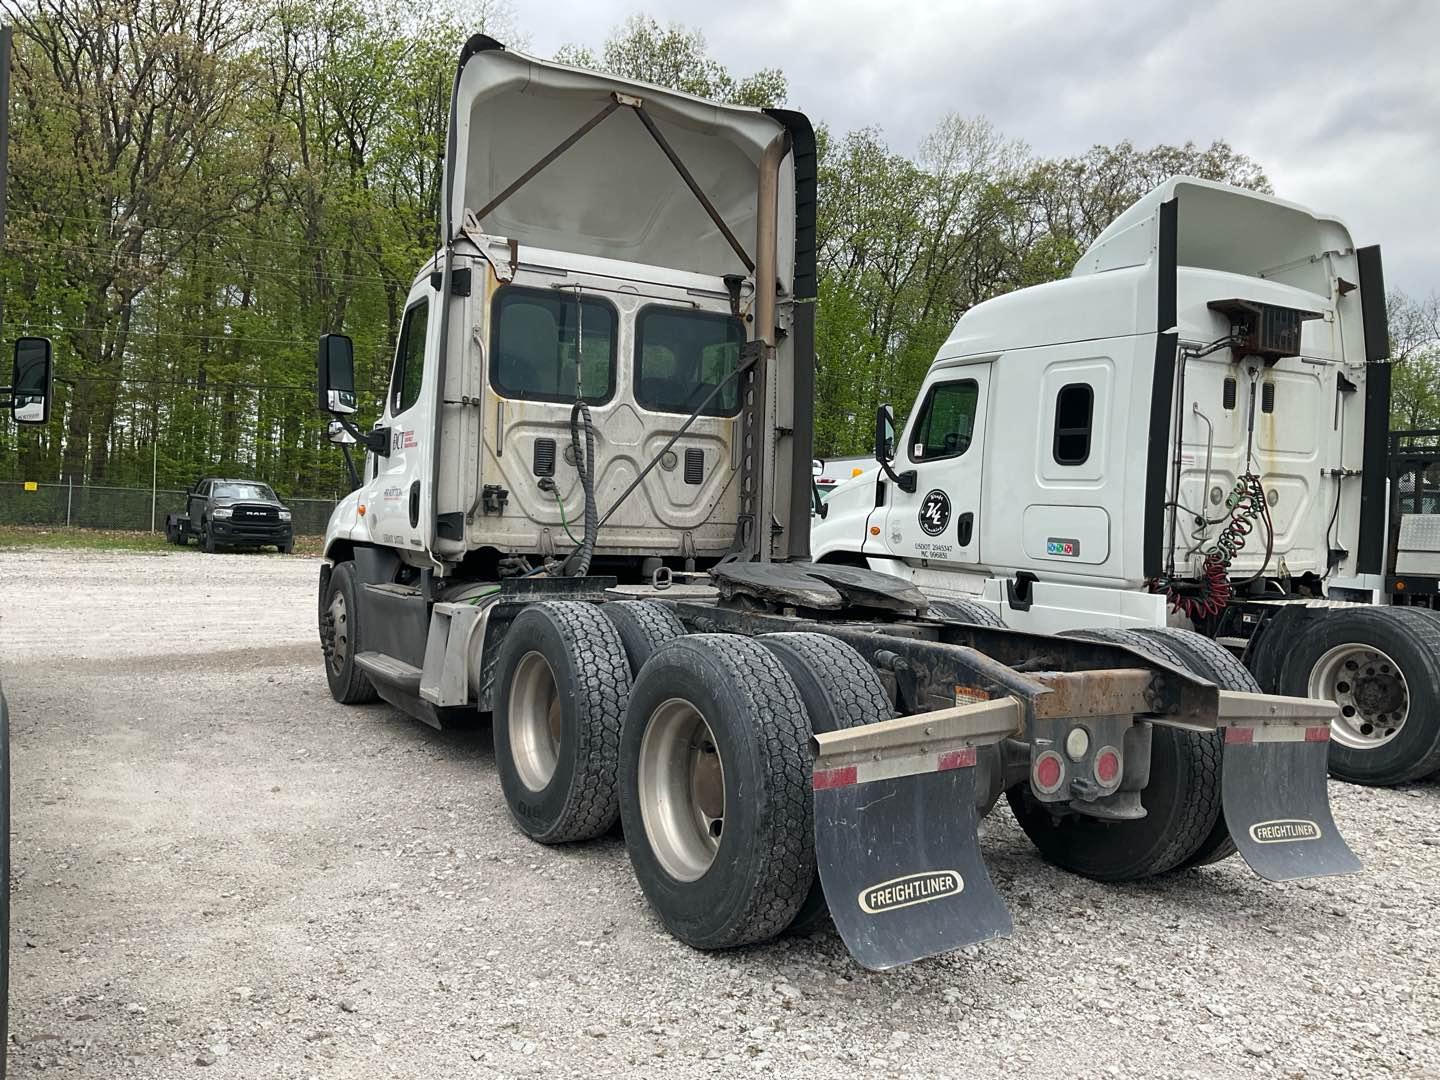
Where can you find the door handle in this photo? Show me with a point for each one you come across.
(415, 505)
(966, 528)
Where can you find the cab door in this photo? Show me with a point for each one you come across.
(395, 516)
(943, 448)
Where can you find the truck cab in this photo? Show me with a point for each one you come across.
(1189, 431)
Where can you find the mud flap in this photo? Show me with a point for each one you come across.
(895, 834)
(1274, 787)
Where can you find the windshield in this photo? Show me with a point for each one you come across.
(245, 491)
(683, 354)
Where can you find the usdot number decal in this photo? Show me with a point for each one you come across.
(934, 512)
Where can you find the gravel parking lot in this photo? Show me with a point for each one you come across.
(219, 872)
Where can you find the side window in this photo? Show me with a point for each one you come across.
(409, 359)
(1074, 411)
(946, 421)
(545, 341)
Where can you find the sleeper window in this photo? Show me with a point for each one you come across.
(947, 421)
(1074, 408)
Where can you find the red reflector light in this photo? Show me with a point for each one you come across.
(1107, 766)
(844, 776)
(1047, 772)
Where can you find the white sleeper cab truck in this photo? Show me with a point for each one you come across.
(584, 513)
(1187, 434)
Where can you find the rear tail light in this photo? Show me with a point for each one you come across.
(1047, 772)
(1107, 766)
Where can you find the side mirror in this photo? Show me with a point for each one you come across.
(337, 434)
(884, 433)
(335, 375)
(31, 380)
(817, 467)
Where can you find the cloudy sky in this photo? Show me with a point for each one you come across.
(1339, 100)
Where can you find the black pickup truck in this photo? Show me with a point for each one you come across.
(231, 513)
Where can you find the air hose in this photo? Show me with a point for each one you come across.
(1246, 505)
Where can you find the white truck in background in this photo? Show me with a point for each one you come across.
(585, 514)
(1189, 431)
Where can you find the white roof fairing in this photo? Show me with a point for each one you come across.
(613, 193)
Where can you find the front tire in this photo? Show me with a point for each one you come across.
(207, 541)
(715, 798)
(1382, 666)
(339, 626)
(965, 611)
(562, 685)
(1182, 801)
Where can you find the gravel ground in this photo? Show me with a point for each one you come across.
(221, 873)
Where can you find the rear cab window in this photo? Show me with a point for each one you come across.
(544, 342)
(681, 355)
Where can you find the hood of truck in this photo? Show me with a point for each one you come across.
(613, 193)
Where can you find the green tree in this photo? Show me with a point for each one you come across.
(674, 56)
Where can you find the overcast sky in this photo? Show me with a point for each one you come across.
(1339, 100)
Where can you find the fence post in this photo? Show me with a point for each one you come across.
(154, 460)
(69, 498)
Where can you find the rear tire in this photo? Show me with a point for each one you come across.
(1210, 660)
(1395, 653)
(1182, 801)
(561, 686)
(966, 611)
(715, 797)
(840, 690)
(643, 626)
(339, 635)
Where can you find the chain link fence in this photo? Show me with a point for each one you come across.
(90, 506)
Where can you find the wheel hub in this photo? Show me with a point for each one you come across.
(682, 789)
(1370, 689)
(534, 720)
(335, 633)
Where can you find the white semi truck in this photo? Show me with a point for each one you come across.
(1188, 432)
(585, 514)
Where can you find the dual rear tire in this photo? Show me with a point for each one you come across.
(700, 744)
(1183, 823)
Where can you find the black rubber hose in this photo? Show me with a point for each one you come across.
(578, 564)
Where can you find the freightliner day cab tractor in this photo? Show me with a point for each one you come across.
(1188, 433)
(585, 514)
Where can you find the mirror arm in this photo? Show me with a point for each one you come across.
(350, 467)
(377, 441)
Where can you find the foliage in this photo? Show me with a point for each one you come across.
(200, 189)
(1415, 356)
(676, 57)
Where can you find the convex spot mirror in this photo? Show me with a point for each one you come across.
(337, 434)
(884, 433)
(335, 375)
(31, 379)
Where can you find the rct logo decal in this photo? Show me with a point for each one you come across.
(934, 512)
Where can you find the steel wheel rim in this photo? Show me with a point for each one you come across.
(340, 636)
(682, 789)
(1370, 689)
(534, 719)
